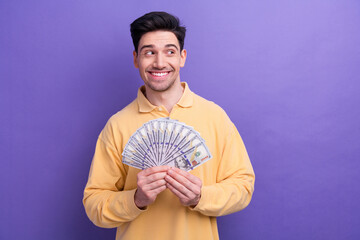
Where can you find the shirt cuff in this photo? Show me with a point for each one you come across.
(205, 199)
(127, 203)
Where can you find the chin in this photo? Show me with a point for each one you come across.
(162, 87)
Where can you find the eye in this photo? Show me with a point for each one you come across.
(149, 53)
(170, 52)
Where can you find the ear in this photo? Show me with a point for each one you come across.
(183, 57)
(135, 59)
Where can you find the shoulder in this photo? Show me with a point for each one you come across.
(211, 109)
(118, 123)
(214, 118)
(125, 114)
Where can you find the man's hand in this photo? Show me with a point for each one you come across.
(185, 186)
(150, 183)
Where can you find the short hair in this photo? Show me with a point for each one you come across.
(154, 21)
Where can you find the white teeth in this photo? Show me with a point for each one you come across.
(159, 74)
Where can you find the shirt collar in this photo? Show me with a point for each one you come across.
(185, 101)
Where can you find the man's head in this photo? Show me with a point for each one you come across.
(155, 21)
(159, 53)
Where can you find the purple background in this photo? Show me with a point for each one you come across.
(286, 72)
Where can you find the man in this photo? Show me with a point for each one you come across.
(164, 202)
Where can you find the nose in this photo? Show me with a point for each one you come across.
(159, 62)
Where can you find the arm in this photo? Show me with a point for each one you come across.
(235, 181)
(105, 202)
(233, 189)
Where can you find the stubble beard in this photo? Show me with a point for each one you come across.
(161, 88)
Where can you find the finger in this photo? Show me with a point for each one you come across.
(178, 186)
(144, 198)
(154, 185)
(175, 191)
(182, 180)
(158, 190)
(187, 175)
(153, 170)
(155, 177)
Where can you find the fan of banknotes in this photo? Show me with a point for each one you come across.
(164, 141)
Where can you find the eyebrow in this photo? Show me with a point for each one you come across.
(172, 45)
(146, 46)
(152, 46)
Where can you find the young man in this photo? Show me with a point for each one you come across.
(164, 202)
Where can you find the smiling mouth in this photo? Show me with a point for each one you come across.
(159, 74)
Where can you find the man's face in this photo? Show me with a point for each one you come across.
(181, 162)
(159, 60)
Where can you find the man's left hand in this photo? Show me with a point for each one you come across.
(185, 186)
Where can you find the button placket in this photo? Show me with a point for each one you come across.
(173, 111)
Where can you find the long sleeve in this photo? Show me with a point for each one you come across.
(106, 203)
(235, 179)
(228, 178)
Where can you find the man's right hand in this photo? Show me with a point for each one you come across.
(150, 182)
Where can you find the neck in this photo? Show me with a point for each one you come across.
(166, 98)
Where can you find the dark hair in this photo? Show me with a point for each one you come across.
(154, 21)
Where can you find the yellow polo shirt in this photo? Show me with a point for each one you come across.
(228, 178)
